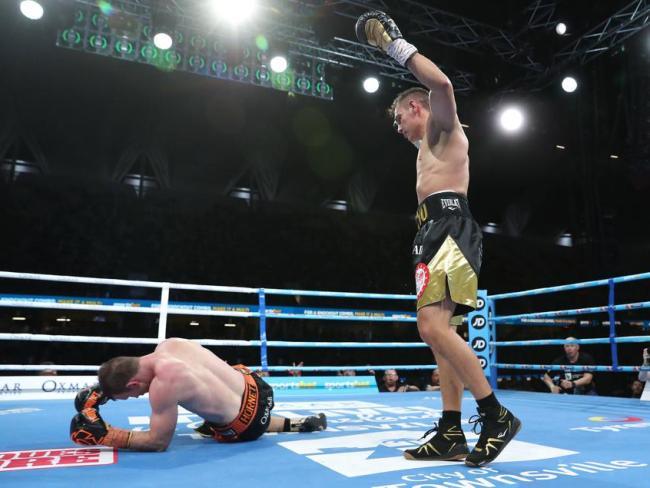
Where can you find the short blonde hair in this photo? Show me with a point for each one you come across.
(417, 93)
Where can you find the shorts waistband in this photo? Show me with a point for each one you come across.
(247, 411)
(440, 204)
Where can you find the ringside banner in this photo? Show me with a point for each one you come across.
(65, 387)
(42, 387)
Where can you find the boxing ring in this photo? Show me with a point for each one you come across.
(566, 440)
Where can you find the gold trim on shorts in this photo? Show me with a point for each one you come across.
(449, 266)
(456, 320)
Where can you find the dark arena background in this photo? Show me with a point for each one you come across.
(202, 162)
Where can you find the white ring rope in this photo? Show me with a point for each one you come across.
(204, 342)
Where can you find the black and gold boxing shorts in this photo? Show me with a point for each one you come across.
(447, 252)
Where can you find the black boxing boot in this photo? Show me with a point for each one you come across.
(498, 427)
(449, 444)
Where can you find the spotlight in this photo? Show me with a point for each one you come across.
(569, 84)
(279, 64)
(341, 205)
(491, 228)
(511, 119)
(31, 9)
(371, 84)
(560, 28)
(234, 11)
(564, 240)
(163, 25)
(163, 41)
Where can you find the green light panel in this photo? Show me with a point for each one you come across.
(193, 52)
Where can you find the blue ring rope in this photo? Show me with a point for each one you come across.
(574, 286)
(340, 317)
(355, 368)
(339, 294)
(556, 367)
(553, 342)
(575, 311)
(345, 345)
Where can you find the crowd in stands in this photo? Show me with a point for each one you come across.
(106, 231)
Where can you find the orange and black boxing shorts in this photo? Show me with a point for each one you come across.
(254, 414)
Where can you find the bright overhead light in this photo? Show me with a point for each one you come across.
(18, 317)
(371, 84)
(31, 9)
(230, 325)
(63, 319)
(194, 323)
(234, 11)
(163, 41)
(560, 28)
(279, 64)
(558, 146)
(613, 156)
(511, 119)
(569, 84)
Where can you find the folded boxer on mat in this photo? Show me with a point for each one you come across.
(234, 402)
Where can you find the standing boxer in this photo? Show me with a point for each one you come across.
(446, 250)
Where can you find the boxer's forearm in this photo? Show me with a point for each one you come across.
(146, 441)
(429, 74)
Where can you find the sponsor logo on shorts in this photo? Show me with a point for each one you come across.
(421, 215)
(57, 458)
(250, 405)
(267, 411)
(422, 277)
(450, 203)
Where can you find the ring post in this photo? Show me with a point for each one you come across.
(612, 325)
(264, 362)
(479, 334)
(164, 305)
(493, 348)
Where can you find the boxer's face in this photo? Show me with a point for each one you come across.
(408, 120)
(133, 390)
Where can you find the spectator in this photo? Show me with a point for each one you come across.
(391, 382)
(49, 371)
(645, 372)
(347, 372)
(434, 382)
(636, 389)
(577, 383)
(296, 372)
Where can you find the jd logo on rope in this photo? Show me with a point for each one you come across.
(478, 322)
(479, 344)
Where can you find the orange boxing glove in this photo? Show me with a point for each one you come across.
(89, 429)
